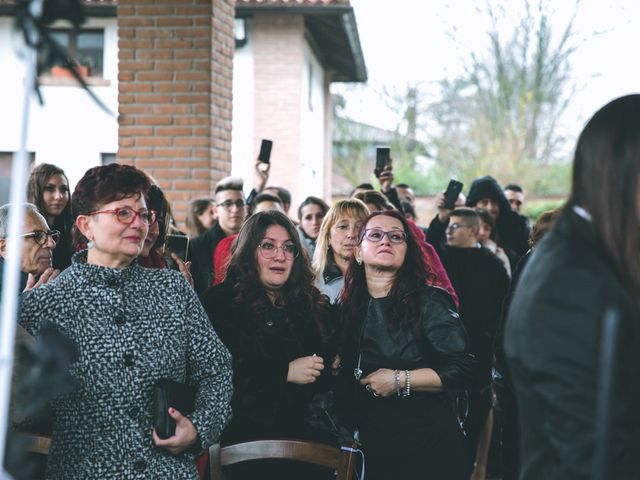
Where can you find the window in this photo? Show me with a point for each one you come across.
(310, 87)
(6, 162)
(108, 158)
(85, 47)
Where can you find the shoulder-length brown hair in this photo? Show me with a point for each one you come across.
(298, 292)
(606, 173)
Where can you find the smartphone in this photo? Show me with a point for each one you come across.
(383, 154)
(451, 193)
(265, 151)
(178, 244)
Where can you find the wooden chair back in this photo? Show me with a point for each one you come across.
(300, 450)
(38, 444)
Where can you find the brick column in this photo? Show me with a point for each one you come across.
(175, 93)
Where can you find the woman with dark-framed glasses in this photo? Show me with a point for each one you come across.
(132, 327)
(276, 324)
(405, 349)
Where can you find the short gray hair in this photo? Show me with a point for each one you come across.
(4, 216)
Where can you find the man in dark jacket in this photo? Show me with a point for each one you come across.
(511, 227)
(481, 282)
(230, 211)
(572, 425)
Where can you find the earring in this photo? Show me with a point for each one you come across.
(359, 261)
(90, 244)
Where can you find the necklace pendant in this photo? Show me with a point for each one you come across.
(357, 373)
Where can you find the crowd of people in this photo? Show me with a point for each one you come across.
(464, 347)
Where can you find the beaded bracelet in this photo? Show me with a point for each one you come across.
(407, 388)
(397, 378)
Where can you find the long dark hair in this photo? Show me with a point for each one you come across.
(157, 201)
(196, 208)
(35, 194)
(606, 169)
(412, 276)
(298, 292)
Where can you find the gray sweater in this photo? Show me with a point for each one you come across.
(132, 327)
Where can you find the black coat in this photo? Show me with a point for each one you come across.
(552, 342)
(262, 345)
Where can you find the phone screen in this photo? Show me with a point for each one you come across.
(178, 244)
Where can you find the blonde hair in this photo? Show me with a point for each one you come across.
(350, 208)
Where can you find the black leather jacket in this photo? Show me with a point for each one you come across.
(437, 340)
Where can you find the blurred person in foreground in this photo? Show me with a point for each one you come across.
(405, 348)
(132, 326)
(587, 266)
(506, 411)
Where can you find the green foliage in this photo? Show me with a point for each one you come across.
(533, 209)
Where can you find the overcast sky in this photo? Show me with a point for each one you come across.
(406, 41)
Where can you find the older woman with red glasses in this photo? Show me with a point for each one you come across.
(407, 349)
(132, 326)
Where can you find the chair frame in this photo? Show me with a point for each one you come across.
(287, 449)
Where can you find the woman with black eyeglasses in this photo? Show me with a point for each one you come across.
(132, 327)
(276, 324)
(404, 348)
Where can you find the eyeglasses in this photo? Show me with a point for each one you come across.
(376, 235)
(228, 204)
(269, 250)
(40, 236)
(455, 226)
(126, 215)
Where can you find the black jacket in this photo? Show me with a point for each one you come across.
(512, 228)
(553, 342)
(201, 250)
(481, 282)
(262, 345)
(436, 340)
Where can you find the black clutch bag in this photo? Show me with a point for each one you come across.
(167, 394)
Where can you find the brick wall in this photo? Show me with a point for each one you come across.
(278, 55)
(175, 93)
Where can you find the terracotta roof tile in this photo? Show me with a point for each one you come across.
(292, 2)
(109, 3)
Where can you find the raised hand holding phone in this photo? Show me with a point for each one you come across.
(383, 157)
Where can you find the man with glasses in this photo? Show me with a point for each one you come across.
(230, 212)
(481, 282)
(38, 243)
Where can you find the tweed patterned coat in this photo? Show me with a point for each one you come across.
(132, 327)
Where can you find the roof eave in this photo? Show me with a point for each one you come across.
(347, 68)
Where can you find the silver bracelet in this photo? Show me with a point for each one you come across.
(397, 378)
(407, 387)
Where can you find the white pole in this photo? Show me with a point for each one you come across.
(11, 278)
